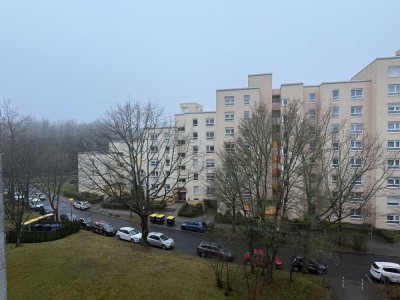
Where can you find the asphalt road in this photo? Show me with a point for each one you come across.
(348, 275)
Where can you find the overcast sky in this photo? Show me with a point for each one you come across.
(75, 59)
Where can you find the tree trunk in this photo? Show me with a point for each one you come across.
(145, 229)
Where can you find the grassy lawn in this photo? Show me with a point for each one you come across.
(90, 266)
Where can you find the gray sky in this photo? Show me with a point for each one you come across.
(74, 59)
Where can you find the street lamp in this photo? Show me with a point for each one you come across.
(71, 200)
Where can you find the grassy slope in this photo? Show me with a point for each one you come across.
(90, 266)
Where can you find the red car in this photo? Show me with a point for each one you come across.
(260, 260)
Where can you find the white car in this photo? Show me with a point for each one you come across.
(82, 204)
(159, 239)
(35, 204)
(129, 234)
(385, 271)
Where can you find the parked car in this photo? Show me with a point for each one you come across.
(314, 265)
(205, 249)
(46, 209)
(259, 259)
(68, 217)
(82, 205)
(86, 223)
(42, 197)
(385, 271)
(35, 204)
(199, 226)
(159, 239)
(103, 228)
(129, 234)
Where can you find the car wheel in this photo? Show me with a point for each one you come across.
(320, 272)
(296, 269)
(132, 241)
(163, 247)
(203, 254)
(105, 233)
(118, 237)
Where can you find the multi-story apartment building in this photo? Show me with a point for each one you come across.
(369, 101)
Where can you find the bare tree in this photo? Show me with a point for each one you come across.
(146, 162)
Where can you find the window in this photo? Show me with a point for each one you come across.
(210, 176)
(335, 162)
(393, 201)
(194, 122)
(181, 180)
(335, 145)
(356, 128)
(195, 135)
(394, 108)
(394, 164)
(181, 128)
(229, 100)
(181, 154)
(356, 111)
(182, 168)
(210, 135)
(229, 131)
(276, 113)
(154, 163)
(334, 179)
(335, 127)
(167, 136)
(393, 219)
(168, 187)
(154, 174)
(335, 95)
(356, 93)
(167, 162)
(246, 115)
(210, 163)
(335, 112)
(394, 126)
(195, 176)
(195, 149)
(210, 122)
(393, 89)
(355, 214)
(393, 145)
(394, 71)
(195, 190)
(393, 182)
(153, 149)
(181, 142)
(357, 180)
(312, 97)
(246, 99)
(356, 145)
(356, 197)
(356, 162)
(153, 136)
(229, 116)
(167, 149)
(229, 146)
(167, 173)
(210, 191)
(210, 149)
(284, 102)
(195, 163)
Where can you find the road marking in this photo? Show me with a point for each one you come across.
(368, 278)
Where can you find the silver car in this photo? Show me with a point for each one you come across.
(129, 234)
(385, 271)
(160, 240)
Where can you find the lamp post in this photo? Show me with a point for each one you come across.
(71, 200)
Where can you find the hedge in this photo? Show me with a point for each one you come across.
(388, 235)
(85, 196)
(157, 205)
(227, 218)
(67, 228)
(190, 211)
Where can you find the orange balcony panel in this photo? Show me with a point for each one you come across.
(276, 158)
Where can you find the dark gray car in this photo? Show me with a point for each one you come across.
(205, 249)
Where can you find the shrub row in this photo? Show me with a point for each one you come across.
(227, 218)
(157, 205)
(388, 235)
(85, 196)
(66, 229)
(190, 211)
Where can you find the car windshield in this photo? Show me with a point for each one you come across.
(164, 237)
(85, 202)
(106, 225)
(134, 231)
(87, 220)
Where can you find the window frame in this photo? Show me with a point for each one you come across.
(229, 116)
(396, 127)
(229, 131)
(335, 98)
(395, 110)
(396, 89)
(396, 145)
(354, 93)
(356, 131)
(354, 111)
(246, 99)
(229, 100)
(210, 121)
(312, 97)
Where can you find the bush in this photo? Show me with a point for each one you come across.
(66, 228)
(156, 205)
(227, 218)
(190, 211)
(85, 196)
(388, 235)
(359, 241)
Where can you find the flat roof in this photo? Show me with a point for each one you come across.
(238, 89)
